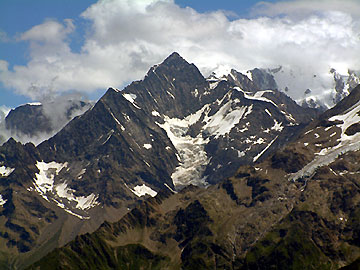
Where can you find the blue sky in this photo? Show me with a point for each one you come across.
(18, 16)
(110, 45)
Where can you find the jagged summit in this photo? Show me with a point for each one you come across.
(174, 57)
(174, 62)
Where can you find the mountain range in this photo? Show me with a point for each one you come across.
(179, 171)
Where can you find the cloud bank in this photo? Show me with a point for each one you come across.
(126, 37)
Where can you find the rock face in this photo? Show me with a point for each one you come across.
(170, 130)
(298, 209)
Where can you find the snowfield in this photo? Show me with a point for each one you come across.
(345, 144)
(5, 171)
(60, 193)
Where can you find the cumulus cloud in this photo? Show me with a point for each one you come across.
(127, 37)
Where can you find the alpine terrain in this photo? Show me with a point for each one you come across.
(179, 171)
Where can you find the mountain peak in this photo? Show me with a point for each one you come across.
(175, 60)
(174, 55)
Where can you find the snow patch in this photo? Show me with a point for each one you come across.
(265, 149)
(34, 103)
(326, 129)
(147, 146)
(346, 143)
(109, 136)
(166, 185)
(155, 113)
(257, 96)
(171, 95)
(213, 85)
(277, 126)
(44, 185)
(240, 153)
(115, 89)
(350, 117)
(143, 190)
(5, 171)
(82, 202)
(195, 92)
(44, 180)
(249, 75)
(117, 121)
(2, 201)
(131, 98)
(223, 121)
(259, 141)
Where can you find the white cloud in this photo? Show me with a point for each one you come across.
(127, 37)
(4, 110)
(3, 36)
(50, 31)
(301, 8)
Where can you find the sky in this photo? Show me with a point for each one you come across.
(61, 47)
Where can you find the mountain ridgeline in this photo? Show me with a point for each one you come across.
(122, 185)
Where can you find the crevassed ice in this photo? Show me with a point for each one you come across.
(143, 190)
(5, 171)
(192, 156)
